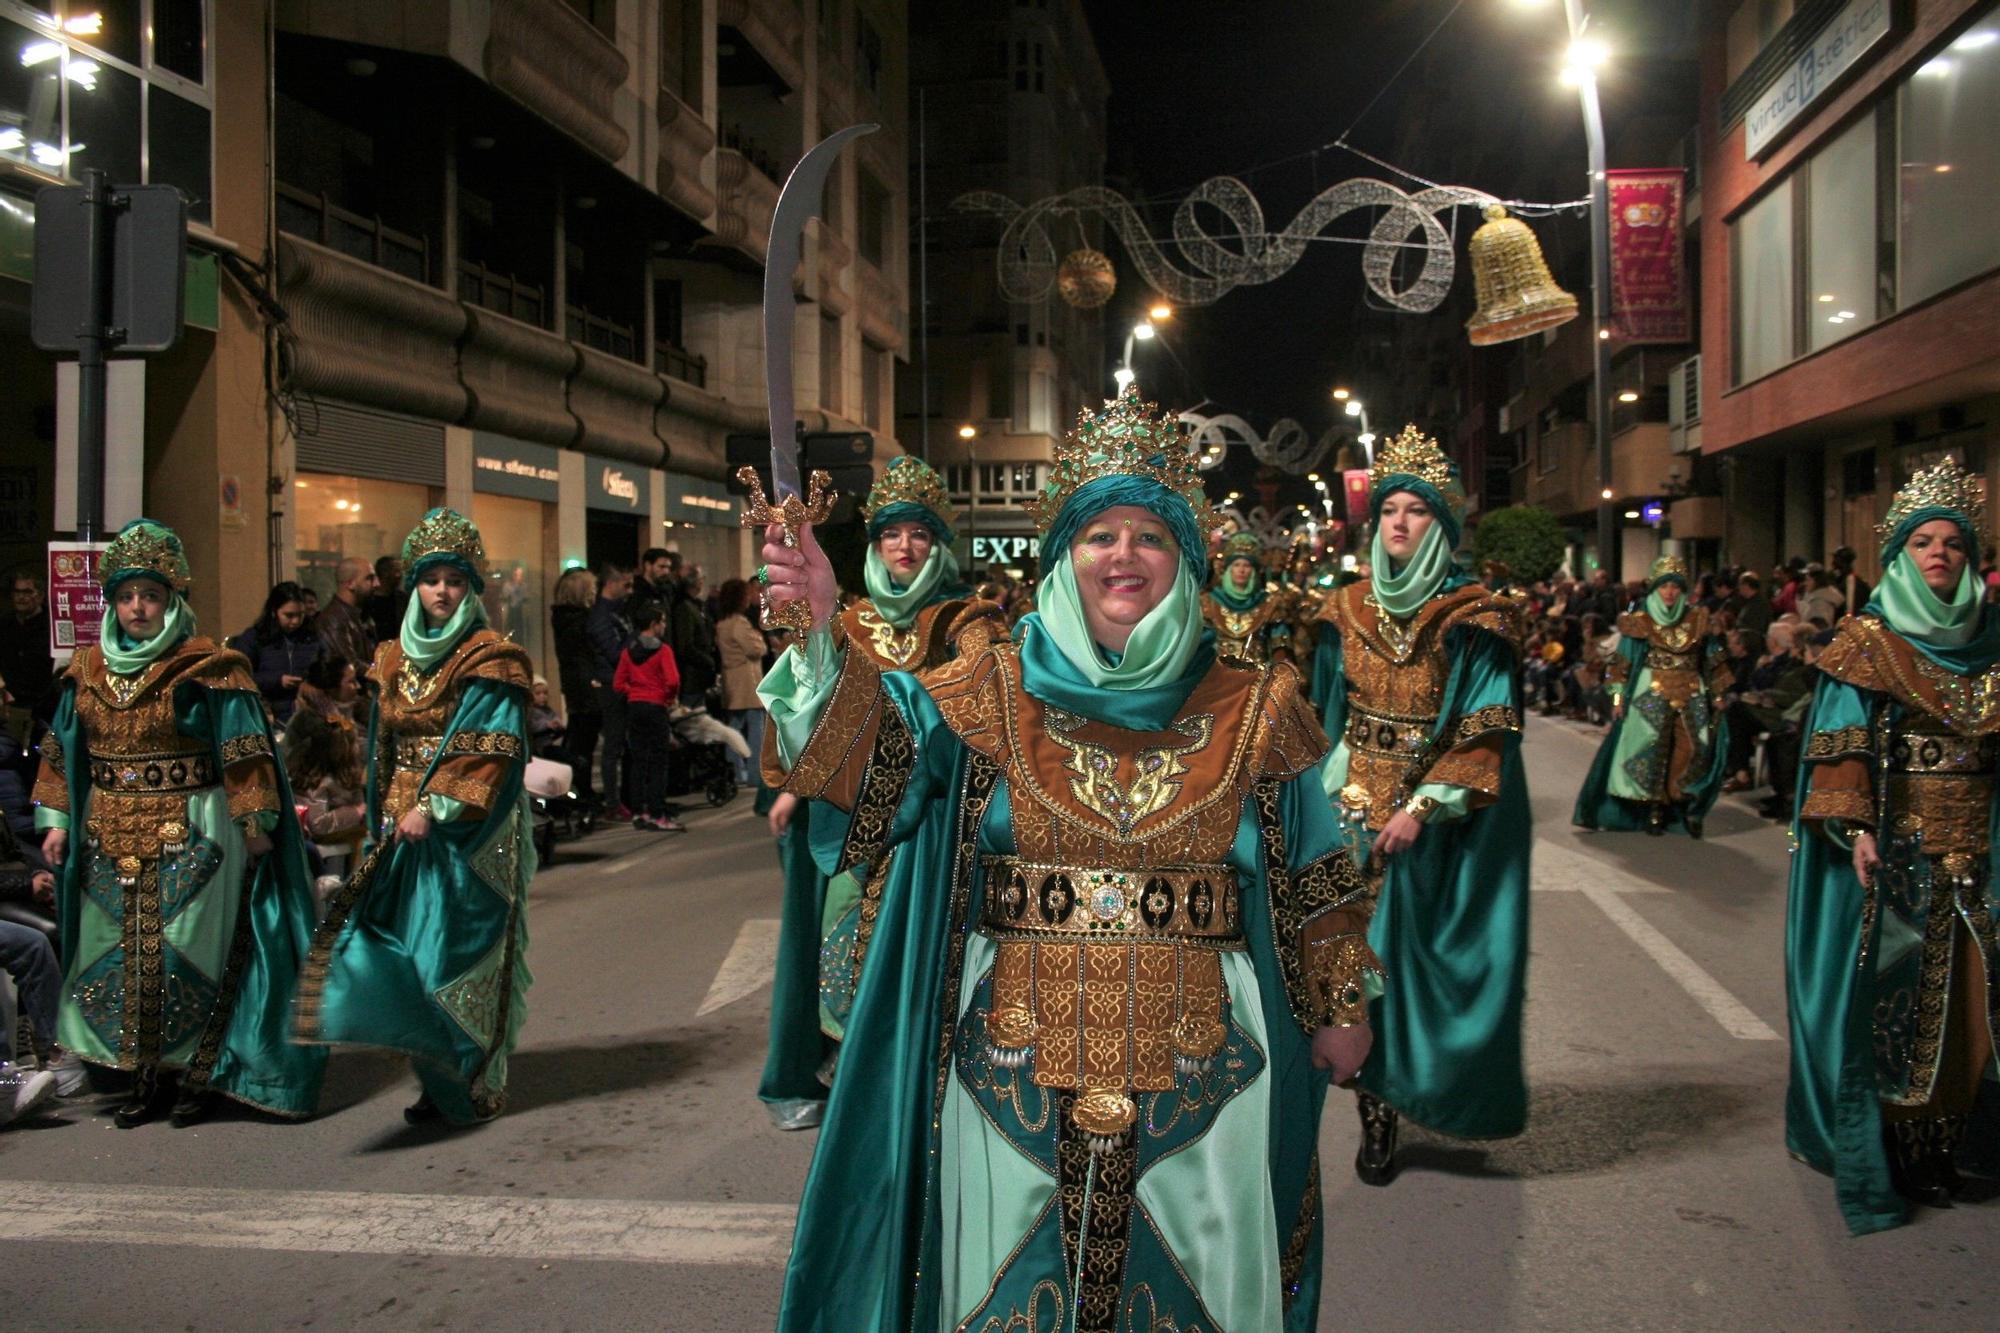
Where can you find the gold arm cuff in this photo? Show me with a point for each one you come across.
(1423, 809)
(1336, 968)
(1854, 807)
(470, 791)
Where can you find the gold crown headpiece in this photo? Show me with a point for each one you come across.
(145, 549)
(1414, 454)
(1667, 567)
(910, 481)
(1945, 486)
(1240, 546)
(444, 534)
(1128, 438)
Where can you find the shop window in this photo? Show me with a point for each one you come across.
(516, 600)
(1949, 164)
(334, 518)
(1761, 285)
(1840, 236)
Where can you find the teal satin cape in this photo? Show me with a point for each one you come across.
(435, 941)
(866, 1251)
(257, 1063)
(1451, 924)
(1833, 1111)
(1597, 808)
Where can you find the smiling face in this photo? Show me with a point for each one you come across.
(904, 547)
(141, 606)
(440, 590)
(1126, 561)
(1939, 550)
(1403, 521)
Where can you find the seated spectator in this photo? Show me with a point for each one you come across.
(1759, 706)
(1781, 746)
(545, 725)
(324, 765)
(27, 954)
(649, 682)
(280, 646)
(1822, 602)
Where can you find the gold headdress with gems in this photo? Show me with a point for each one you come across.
(145, 549)
(1128, 438)
(1415, 454)
(1667, 567)
(1945, 486)
(444, 536)
(1240, 546)
(911, 481)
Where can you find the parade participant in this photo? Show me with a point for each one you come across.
(918, 615)
(183, 893)
(424, 949)
(1890, 948)
(1662, 762)
(1417, 673)
(1101, 810)
(1252, 619)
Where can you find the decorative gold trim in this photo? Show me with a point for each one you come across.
(470, 791)
(1335, 970)
(255, 745)
(1035, 900)
(505, 743)
(842, 725)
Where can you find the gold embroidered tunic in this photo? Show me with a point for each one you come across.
(941, 632)
(1262, 633)
(414, 711)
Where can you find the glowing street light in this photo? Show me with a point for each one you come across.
(1124, 376)
(1354, 407)
(968, 431)
(1629, 396)
(1143, 330)
(1341, 395)
(1366, 439)
(1160, 313)
(1585, 57)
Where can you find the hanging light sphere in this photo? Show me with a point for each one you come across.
(1086, 279)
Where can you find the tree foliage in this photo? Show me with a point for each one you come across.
(1527, 539)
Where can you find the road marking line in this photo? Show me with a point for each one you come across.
(1734, 1016)
(1561, 869)
(747, 969)
(631, 1231)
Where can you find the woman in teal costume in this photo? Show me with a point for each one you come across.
(1890, 944)
(992, 1150)
(424, 951)
(1252, 619)
(186, 905)
(918, 615)
(1662, 761)
(1418, 678)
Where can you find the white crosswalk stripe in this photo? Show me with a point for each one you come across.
(747, 968)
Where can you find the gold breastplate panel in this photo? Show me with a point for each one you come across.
(1940, 788)
(1396, 705)
(142, 768)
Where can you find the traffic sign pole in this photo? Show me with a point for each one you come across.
(91, 339)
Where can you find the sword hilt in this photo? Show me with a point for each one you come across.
(792, 513)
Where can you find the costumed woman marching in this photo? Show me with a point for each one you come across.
(1418, 674)
(183, 892)
(918, 615)
(1662, 761)
(1890, 949)
(1252, 619)
(1083, 1071)
(425, 949)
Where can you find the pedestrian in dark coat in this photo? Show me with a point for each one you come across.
(280, 647)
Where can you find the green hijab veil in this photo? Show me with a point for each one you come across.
(423, 647)
(899, 605)
(1403, 590)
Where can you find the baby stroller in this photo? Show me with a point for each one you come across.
(704, 756)
(557, 809)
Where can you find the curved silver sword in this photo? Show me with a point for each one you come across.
(799, 201)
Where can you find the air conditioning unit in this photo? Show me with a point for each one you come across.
(1684, 405)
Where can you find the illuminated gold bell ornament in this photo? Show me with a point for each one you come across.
(1517, 295)
(1086, 279)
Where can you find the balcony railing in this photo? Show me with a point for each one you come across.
(502, 293)
(606, 335)
(317, 218)
(678, 364)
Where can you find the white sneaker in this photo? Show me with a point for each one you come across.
(23, 1091)
(71, 1077)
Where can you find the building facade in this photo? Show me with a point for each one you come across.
(1012, 100)
(1849, 269)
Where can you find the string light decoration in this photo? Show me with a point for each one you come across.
(1287, 448)
(1196, 267)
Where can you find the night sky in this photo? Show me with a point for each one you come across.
(1200, 89)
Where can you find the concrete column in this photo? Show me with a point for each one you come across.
(1804, 483)
(458, 468)
(656, 509)
(571, 526)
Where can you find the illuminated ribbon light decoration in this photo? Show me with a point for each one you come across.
(1271, 529)
(1207, 269)
(1287, 448)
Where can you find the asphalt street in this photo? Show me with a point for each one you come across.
(634, 1181)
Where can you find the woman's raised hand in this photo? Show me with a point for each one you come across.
(803, 572)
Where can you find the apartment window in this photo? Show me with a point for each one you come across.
(958, 481)
(1000, 394)
(867, 54)
(872, 362)
(680, 50)
(992, 479)
(85, 83)
(1949, 165)
(872, 224)
(1761, 289)
(599, 14)
(1841, 257)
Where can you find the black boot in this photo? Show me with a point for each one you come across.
(150, 1096)
(1913, 1162)
(1950, 1132)
(1656, 820)
(1693, 823)
(1375, 1164)
(192, 1107)
(423, 1111)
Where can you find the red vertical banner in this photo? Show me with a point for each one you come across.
(76, 603)
(1649, 295)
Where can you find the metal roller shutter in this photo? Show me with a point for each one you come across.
(352, 441)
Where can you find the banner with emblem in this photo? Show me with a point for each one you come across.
(1649, 290)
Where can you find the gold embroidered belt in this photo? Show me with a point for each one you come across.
(1108, 980)
(1387, 733)
(1167, 902)
(1941, 754)
(173, 771)
(416, 752)
(1666, 659)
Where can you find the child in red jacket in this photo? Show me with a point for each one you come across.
(649, 681)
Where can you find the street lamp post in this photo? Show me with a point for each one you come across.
(1585, 56)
